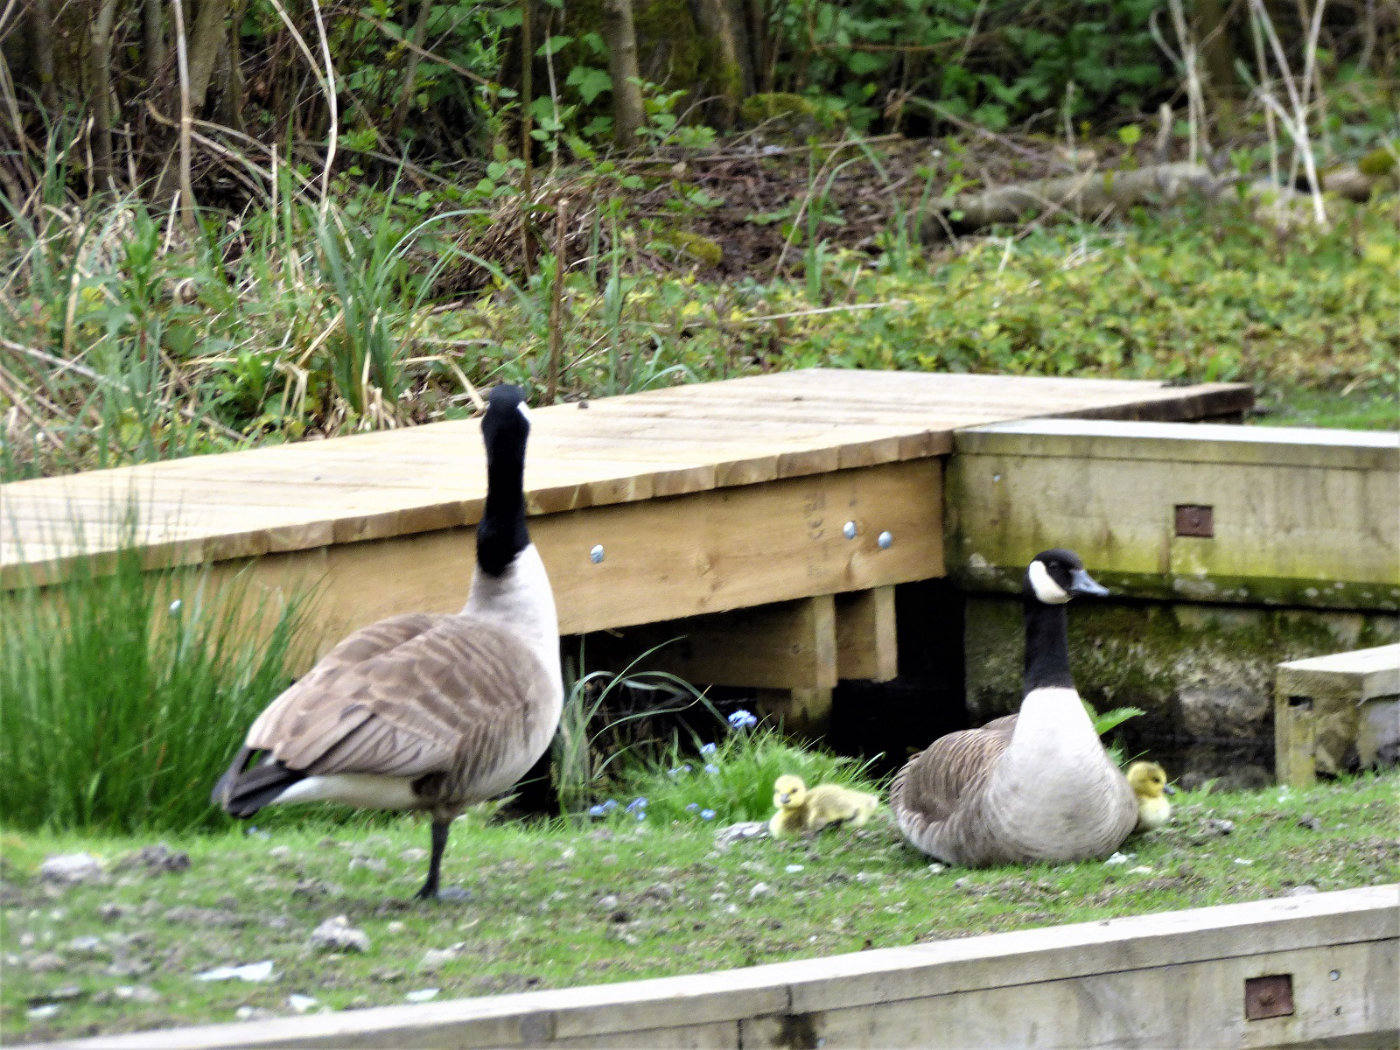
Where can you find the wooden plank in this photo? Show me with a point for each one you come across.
(865, 635)
(740, 547)
(666, 442)
(1170, 979)
(1185, 1005)
(1289, 525)
(1359, 674)
(786, 645)
(664, 559)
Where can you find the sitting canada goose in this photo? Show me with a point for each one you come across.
(426, 711)
(1149, 783)
(803, 811)
(1034, 786)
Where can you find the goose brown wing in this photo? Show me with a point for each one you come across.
(418, 695)
(932, 784)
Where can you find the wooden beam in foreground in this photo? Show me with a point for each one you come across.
(1173, 979)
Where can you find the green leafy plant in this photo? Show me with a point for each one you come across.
(125, 691)
(723, 780)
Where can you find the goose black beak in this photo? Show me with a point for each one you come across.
(1080, 582)
(1169, 789)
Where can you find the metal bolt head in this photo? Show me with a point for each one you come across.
(885, 540)
(596, 554)
(849, 530)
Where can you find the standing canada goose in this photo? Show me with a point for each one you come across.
(1149, 783)
(1033, 786)
(426, 711)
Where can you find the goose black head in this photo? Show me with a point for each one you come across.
(507, 420)
(1055, 575)
(502, 534)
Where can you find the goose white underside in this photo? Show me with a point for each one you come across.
(365, 790)
(1055, 794)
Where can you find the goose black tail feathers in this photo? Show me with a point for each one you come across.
(245, 788)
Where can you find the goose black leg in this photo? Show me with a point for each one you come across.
(430, 888)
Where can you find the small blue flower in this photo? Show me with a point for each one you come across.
(692, 807)
(636, 804)
(610, 804)
(740, 720)
(641, 814)
(707, 749)
(707, 814)
(710, 767)
(597, 811)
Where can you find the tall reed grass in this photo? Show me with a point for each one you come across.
(123, 692)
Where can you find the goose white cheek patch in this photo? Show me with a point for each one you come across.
(1046, 589)
(524, 411)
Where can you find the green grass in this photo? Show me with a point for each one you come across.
(568, 903)
(1345, 410)
(126, 692)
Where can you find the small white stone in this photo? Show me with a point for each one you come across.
(396, 926)
(937, 869)
(1141, 869)
(252, 1013)
(255, 972)
(1242, 862)
(1119, 858)
(759, 889)
(338, 935)
(793, 869)
(301, 1003)
(70, 868)
(40, 1013)
(422, 995)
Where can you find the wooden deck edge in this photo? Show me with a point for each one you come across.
(1361, 924)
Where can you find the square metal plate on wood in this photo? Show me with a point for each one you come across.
(1270, 996)
(1195, 519)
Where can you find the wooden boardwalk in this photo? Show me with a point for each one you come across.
(648, 507)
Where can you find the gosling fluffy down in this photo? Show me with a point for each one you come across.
(804, 811)
(1149, 783)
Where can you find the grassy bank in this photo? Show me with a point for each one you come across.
(562, 904)
(126, 345)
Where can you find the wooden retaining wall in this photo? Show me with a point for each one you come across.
(1299, 971)
(1256, 515)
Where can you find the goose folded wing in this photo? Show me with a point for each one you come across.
(933, 782)
(402, 710)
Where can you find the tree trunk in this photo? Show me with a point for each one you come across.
(42, 60)
(727, 71)
(620, 36)
(230, 75)
(757, 20)
(100, 88)
(207, 42)
(1213, 30)
(153, 18)
(410, 73)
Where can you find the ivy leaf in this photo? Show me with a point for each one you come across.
(589, 81)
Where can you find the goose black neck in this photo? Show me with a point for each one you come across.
(501, 533)
(1047, 648)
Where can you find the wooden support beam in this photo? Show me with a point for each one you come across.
(661, 559)
(1327, 708)
(787, 645)
(865, 635)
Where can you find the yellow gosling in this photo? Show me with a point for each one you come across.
(1149, 783)
(804, 811)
